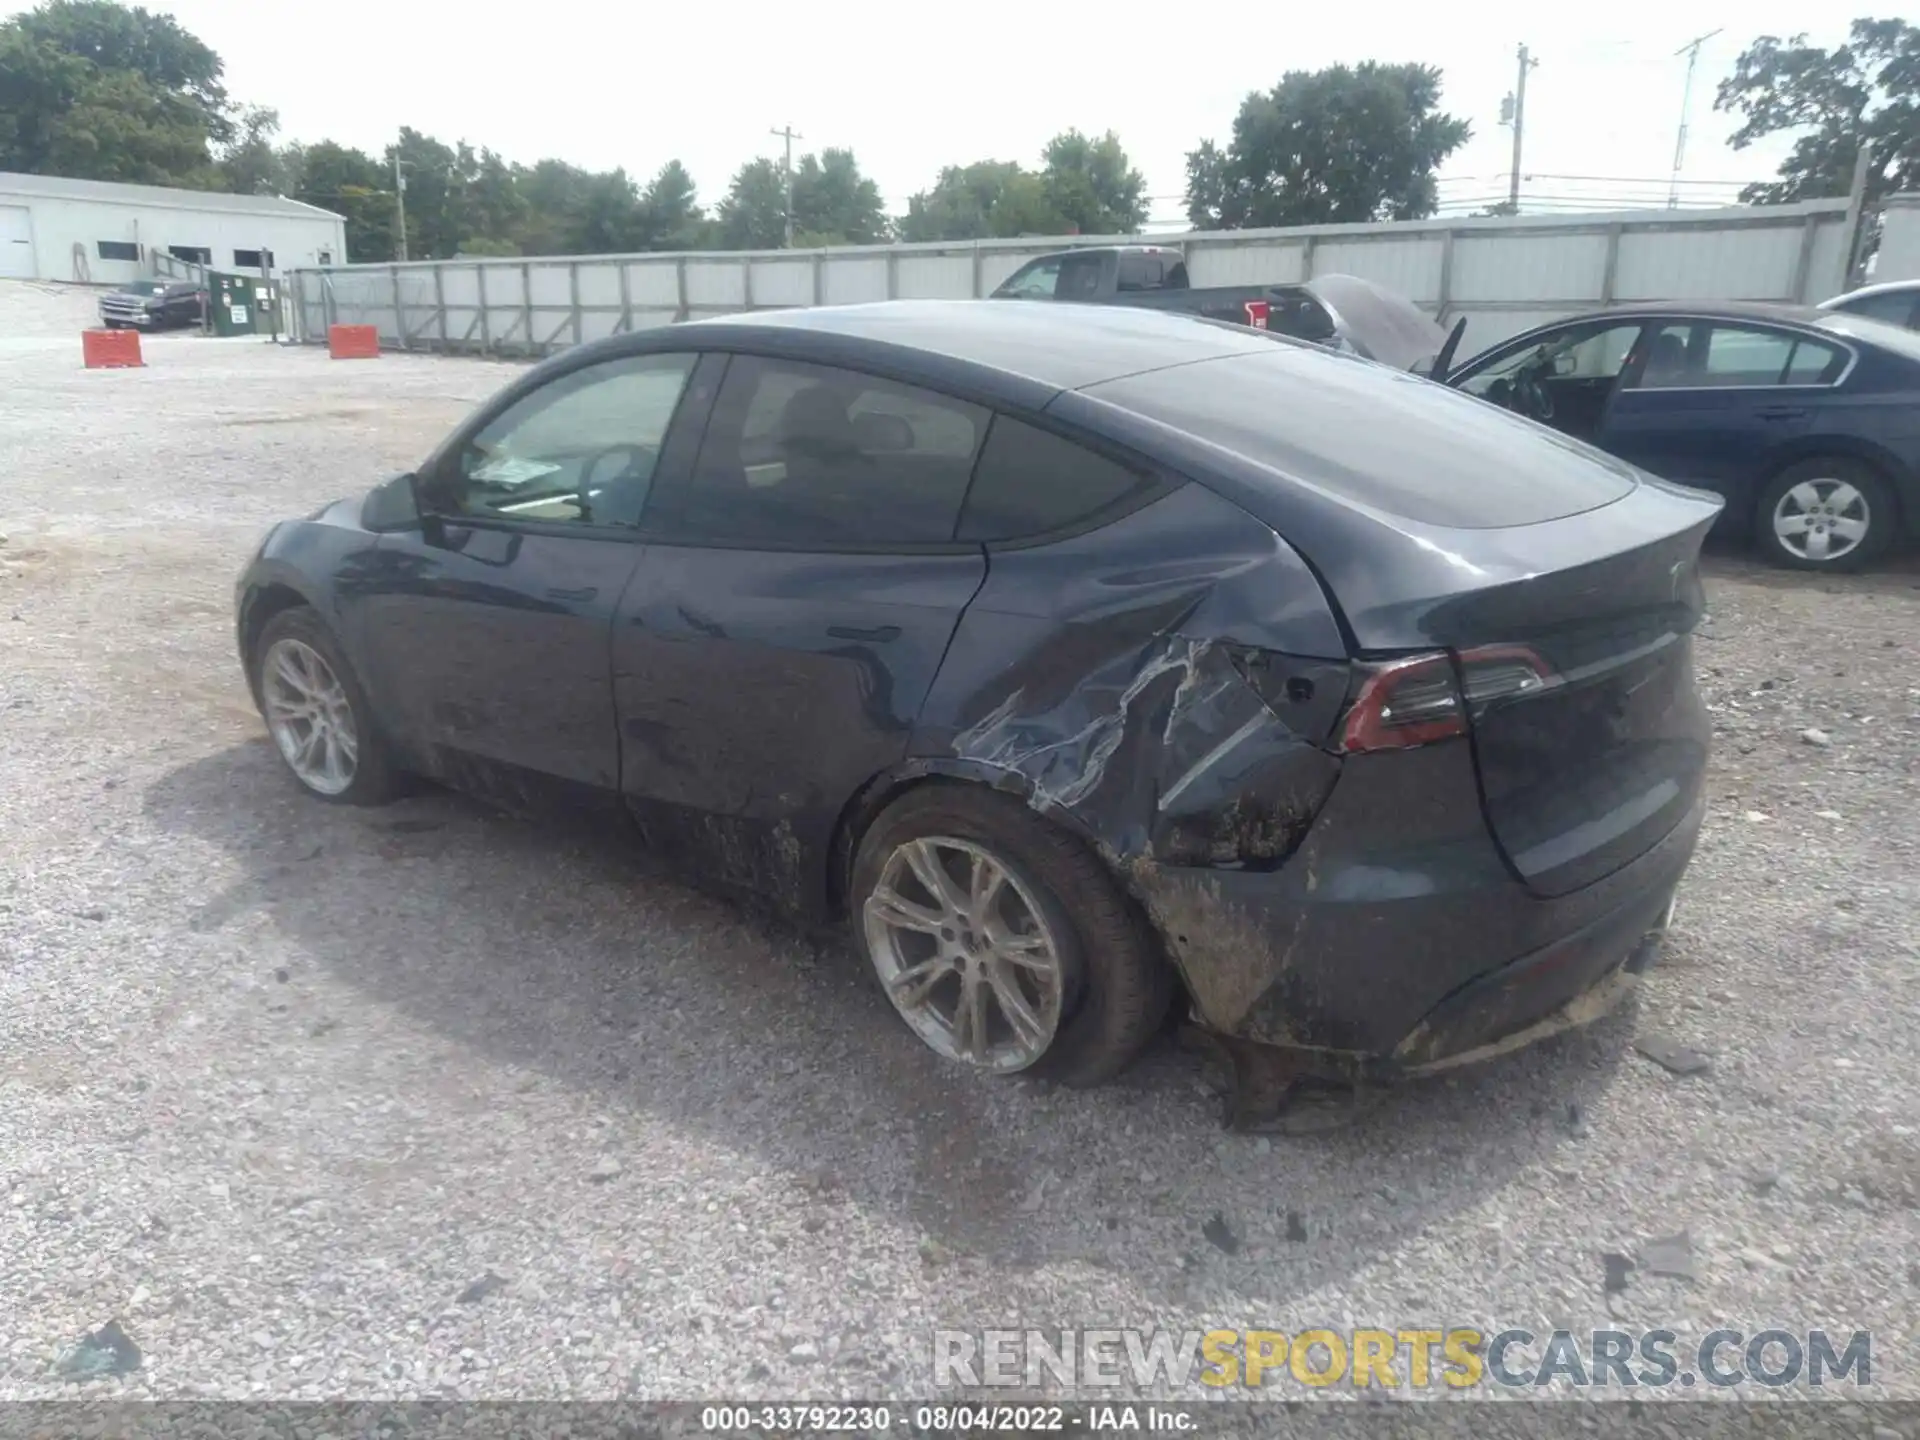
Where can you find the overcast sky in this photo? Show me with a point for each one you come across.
(910, 88)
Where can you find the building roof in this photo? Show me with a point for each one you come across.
(61, 187)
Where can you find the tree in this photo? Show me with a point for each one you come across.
(111, 37)
(249, 163)
(833, 204)
(1342, 145)
(1092, 185)
(354, 185)
(988, 199)
(92, 89)
(1865, 90)
(670, 213)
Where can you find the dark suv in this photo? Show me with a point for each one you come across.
(153, 305)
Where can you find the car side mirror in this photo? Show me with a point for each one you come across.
(393, 505)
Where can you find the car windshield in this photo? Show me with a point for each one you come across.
(144, 287)
(1875, 332)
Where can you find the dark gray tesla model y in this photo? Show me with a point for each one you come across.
(1086, 662)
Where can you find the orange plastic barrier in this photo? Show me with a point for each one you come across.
(353, 342)
(110, 349)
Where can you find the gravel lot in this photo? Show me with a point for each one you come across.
(283, 1084)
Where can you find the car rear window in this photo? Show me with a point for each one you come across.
(1874, 332)
(1397, 444)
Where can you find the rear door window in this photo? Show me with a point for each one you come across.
(1031, 482)
(815, 457)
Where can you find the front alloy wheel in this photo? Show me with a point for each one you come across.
(309, 716)
(965, 953)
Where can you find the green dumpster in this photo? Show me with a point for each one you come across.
(230, 304)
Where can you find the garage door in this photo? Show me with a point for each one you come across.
(16, 243)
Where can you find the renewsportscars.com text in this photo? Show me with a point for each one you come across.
(1398, 1359)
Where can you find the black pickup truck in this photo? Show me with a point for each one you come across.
(1343, 311)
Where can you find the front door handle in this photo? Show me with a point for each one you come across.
(1784, 412)
(577, 596)
(879, 635)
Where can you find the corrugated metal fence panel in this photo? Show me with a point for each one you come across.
(1506, 275)
(934, 277)
(1754, 263)
(1509, 268)
(654, 284)
(1827, 262)
(600, 284)
(716, 284)
(853, 279)
(1899, 257)
(1411, 266)
(1268, 262)
(783, 282)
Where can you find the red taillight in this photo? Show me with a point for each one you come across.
(1257, 312)
(1416, 701)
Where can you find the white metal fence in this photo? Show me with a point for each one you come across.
(1504, 274)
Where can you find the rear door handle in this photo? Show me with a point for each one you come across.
(580, 596)
(1784, 412)
(879, 635)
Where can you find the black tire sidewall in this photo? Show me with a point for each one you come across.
(1105, 948)
(1881, 513)
(374, 779)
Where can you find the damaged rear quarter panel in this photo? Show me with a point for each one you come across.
(1105, 677)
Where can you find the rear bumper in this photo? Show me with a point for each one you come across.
(1396, 936)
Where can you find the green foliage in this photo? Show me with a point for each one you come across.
(1092, 186)
(1342, 145)
(1085, 186)
(96, 90)
(1867, 89)
(833, 204)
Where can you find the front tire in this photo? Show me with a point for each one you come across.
(1827, 513)
(317, 713)
(1002, 941)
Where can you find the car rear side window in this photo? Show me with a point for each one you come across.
(1031, 482)
(1398, 445)
(815, 456)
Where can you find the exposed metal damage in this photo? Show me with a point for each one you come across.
(1170, 759)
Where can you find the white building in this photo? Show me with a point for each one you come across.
(53, 228)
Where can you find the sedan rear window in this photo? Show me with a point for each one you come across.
(1392, 442)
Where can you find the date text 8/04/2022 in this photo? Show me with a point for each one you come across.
(878, 1419)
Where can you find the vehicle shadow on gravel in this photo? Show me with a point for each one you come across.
(554, 952)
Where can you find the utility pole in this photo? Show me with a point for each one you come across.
(1692, 51)
(789, 134)
(399, 208)
(1516, 108)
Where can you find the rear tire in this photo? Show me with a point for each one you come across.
(1081, 1023)
(1830, 513)
(318, 715)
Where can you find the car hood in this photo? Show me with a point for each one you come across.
(1377, 323)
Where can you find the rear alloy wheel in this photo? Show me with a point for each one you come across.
(317, 714)
(1825, 514)
(1003, 942)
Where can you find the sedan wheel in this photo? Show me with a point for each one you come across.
(1822, 519)
(317, 713)
(310, 717)
(965, 953)
(1825, 513)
